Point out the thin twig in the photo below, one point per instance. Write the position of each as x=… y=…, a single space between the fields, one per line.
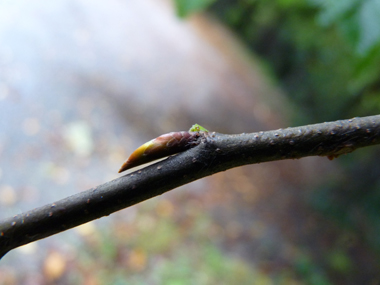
x=216 y=152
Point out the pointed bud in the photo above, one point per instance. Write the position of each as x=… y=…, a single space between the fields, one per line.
x=160 y=147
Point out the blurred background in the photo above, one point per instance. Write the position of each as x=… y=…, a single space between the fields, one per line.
x=83 y=83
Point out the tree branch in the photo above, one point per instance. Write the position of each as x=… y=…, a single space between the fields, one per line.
x=215 y=153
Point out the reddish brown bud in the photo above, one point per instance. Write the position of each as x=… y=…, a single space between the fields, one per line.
x=160 y=147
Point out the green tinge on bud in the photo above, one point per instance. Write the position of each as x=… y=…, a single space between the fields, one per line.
x=197 y=128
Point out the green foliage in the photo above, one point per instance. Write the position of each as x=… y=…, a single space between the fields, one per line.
x=187 y=7
x=358 y=20
x=324 y=52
